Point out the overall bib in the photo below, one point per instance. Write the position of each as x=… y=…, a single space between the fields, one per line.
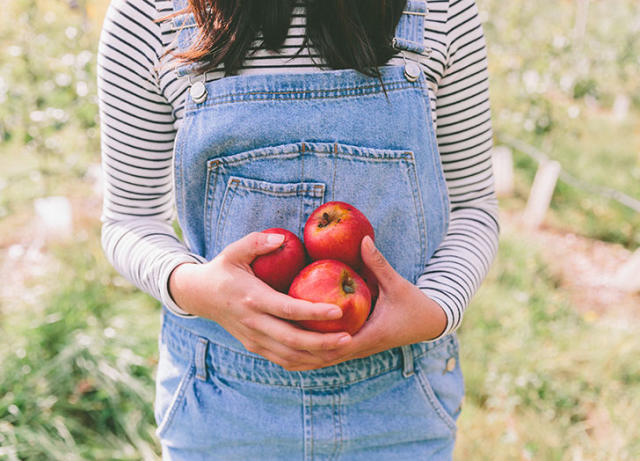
x=260 y=151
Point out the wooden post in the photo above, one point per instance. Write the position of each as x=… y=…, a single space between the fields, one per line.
x=541 y=192
x=54 y=220
x=503 y=171
x=628 y=276
x=582 y=16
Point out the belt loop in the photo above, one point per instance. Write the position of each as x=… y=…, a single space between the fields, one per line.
x=407 y=360
x=201 y=359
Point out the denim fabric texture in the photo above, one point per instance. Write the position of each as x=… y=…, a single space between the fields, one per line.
x=214 y=402
x=264 y=151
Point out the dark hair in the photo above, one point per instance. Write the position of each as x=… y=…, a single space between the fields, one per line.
x=353 y=34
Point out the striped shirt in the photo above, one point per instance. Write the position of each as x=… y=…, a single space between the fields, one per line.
x=142 y=105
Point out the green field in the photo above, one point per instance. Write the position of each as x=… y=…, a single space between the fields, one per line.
x=546 y=379
x=563 y=88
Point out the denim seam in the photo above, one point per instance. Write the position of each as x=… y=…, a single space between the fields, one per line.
x=293 y=193
x=311 y=421
x=345 y=155
x=405 y=156
x=437 y=165
x=177 y=176
x=177 y=400
x=309 y=94
x=340 y=414
x=191 y=110
x=302 y=180
x=393 y=84
x=222 y=214
x=314 y=386
x=300 y=211
x=335 y=426
x=210 y=197
x=242 y=158
x=336 y=401
x=412 y=176
x=335 y=170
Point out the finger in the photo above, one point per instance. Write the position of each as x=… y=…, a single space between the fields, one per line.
x=376 y=262
x=286 y=307
x=297 y=338
x=251 y=245
x=292 y=347
x=370 y=339
x=282 y=355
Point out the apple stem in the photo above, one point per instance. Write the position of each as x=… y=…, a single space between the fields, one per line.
x=347 y=285
x=326 y=219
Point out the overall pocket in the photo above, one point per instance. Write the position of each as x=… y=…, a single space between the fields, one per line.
x=252 y=205
x=441 y=380
x=175 y=374
x=279 y=186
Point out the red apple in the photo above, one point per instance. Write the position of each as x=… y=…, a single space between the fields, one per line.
x=279 y=267
x=334 y=231
x=331 y=281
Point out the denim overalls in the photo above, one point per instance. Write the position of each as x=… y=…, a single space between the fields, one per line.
x=260 y=151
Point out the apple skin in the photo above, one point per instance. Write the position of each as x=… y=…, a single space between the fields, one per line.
x=331 y=281
x=334 y=231
x=279 y=267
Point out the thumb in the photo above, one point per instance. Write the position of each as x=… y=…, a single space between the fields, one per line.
x=251 y=245
x=376 y=262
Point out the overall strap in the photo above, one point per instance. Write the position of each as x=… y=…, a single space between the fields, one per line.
x=186 y=27
x=409 y=33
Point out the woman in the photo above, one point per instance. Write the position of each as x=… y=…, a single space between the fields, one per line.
x=299 y=104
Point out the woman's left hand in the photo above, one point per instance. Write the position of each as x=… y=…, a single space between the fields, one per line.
x=403 y=314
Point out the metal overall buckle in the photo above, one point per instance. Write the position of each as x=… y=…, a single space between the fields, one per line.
x=198 y=91
x=411 y=68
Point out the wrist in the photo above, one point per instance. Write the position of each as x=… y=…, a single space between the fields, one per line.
x=181 y=287
x=436 y=321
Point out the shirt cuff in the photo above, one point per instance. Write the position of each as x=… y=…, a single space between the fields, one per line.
x=448 y=307
x=165 y=296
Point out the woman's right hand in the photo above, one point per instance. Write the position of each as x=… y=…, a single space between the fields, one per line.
x=226 y=291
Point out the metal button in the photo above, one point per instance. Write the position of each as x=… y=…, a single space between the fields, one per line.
x=451 y=364
x=198 y=92
x=411 y=71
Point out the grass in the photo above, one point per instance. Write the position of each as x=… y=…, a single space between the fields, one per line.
x=544 y=382
x=78 y=344
x=76 y=375
x=556 y=89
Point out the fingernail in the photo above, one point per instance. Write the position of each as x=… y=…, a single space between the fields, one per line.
x=335 y=313
x=275 y=239
x=368 y=243
x=344 y=340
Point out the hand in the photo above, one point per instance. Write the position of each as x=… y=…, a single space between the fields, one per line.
x=403 y=314
x=226 y=291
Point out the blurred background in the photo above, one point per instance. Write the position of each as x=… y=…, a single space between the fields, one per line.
x=549 y=345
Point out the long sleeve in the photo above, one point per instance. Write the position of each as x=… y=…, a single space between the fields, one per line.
x=137 y=128
x=464 y=137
